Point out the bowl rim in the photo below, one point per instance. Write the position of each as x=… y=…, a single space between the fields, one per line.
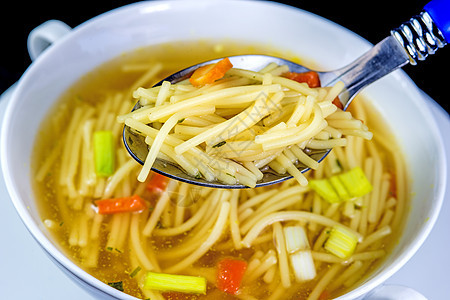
x=64 y=261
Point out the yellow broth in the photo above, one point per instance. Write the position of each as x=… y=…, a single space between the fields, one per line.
x=69 y=218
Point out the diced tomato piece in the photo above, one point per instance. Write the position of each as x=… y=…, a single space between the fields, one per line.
x=229 y=274
x=311 y=78
x=325 y=295
x=313 y=81
x=157 y=183
x=338 y=103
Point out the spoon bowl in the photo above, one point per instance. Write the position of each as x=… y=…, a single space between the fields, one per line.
x=138 y=149
x=391 y=53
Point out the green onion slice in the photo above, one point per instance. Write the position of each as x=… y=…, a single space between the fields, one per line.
x=175 y=283
x=104 y=153
x=345 y=186
x=341 y=242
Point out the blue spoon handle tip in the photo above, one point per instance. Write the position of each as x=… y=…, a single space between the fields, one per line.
x=439 y=11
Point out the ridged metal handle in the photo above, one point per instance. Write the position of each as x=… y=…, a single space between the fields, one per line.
x=411 y=42
x=420 y=37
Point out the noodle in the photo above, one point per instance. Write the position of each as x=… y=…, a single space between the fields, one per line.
x=267 y=262
x=282 y=255
x=262 y=212
x=153 y=220
x=257 y=199
x=137 y=246
x=162 y=134
x=95 y=228
x=87 y=177
x=377 y=172
x=373 y=237
x=345 y=275
x=120 y=174
x=213 y=237
x=285 y=216
x=272 y=204
x=326 y=279
x=50 y=160
x=193 y=220
x=234 y=221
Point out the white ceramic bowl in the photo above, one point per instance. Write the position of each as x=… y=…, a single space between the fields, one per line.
x=396 y=97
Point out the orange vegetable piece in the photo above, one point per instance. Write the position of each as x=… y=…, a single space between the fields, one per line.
x=325 y=295
x=210 y=73
x=338 y=103
x=120 y=205
x=157 y=183
x=311 y=78
x=392 y=185
x=229 y=274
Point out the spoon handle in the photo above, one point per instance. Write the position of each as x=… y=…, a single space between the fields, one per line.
x=439 y=11
x=411 y=42
x=380 y=60
x=425 y=33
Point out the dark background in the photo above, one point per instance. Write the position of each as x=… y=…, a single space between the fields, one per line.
x=372 y=20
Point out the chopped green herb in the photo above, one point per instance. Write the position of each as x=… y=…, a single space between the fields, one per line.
x=118 y=285
x=181 y=120
x=135 y=271
x=78 y=98
x=111 y=249
x=219 y=144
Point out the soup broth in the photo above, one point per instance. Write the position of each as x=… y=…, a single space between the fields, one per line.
x=188 y=229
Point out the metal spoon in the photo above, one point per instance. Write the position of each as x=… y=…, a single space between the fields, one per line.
x=411 y=42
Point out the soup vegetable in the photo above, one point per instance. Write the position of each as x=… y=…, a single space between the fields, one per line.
x=161 y=239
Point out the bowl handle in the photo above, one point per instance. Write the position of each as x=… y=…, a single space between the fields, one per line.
x=394 y=292
x=41 y=37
